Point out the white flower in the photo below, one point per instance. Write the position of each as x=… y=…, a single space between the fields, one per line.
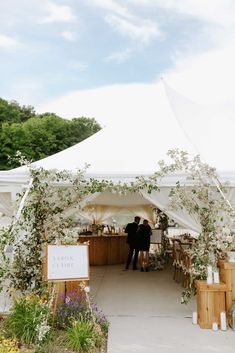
x=87 y=289
x=42 y=329
x=67 y=300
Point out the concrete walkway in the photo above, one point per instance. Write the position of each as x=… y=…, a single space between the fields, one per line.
x=146 y=316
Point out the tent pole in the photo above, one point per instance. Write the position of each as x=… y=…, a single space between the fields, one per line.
x=18 y=213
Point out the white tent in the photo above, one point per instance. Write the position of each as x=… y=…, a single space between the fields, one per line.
x=121 y=153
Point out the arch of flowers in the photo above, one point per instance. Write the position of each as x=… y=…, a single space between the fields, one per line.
x=43 y=221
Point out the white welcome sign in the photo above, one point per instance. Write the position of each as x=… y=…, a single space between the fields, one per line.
x=67 y=262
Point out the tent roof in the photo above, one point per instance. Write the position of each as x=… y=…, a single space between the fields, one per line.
x=134 y=148
x=121 y=151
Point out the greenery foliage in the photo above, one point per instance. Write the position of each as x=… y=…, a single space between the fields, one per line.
x=202 y=195
x=12 y=112
x=30 y=325
x=86 y=327
x=27 y=318
x=75 y=306
x=44 y=220
x=83 y=336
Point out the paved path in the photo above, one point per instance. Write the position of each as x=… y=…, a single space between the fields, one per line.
x=146 y=316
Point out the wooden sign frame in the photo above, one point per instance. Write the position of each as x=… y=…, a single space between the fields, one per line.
x=65 y=258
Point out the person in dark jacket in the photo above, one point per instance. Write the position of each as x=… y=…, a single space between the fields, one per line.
x=131 y=240
x=144 y=233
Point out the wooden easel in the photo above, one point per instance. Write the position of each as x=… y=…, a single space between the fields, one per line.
x=61 y=287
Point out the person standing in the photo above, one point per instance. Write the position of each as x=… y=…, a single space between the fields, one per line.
x=144 y=233
x=131 y=240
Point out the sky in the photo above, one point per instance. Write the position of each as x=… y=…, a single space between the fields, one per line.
x=104 y=58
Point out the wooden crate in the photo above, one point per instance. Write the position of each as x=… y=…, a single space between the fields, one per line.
x=227 y=275
x=210 y=302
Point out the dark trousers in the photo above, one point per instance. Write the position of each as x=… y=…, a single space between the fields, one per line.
x=132 y=250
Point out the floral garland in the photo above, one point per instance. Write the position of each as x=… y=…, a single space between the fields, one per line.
x=200 y=196
x=43 y=220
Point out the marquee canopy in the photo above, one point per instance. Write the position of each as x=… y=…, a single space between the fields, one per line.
x=122 y=152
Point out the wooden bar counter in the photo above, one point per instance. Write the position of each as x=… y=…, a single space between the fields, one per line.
x=106 y=249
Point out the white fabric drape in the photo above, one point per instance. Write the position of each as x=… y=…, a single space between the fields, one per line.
x=97 y=214
x=145 y=212
x=6 y=204
x=88 y=199
x=161 y=200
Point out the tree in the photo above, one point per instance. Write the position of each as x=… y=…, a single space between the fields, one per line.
x=81 y=128
x=12 y=112
x=42 y=136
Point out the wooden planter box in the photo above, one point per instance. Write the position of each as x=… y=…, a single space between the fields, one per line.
x=210 y=302
x=227 y=275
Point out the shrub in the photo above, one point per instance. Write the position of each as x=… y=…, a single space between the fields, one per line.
x=26 y=318
x=83 y=336
x=72 y=307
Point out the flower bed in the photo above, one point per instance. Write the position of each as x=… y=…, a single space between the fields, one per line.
x=77 y=325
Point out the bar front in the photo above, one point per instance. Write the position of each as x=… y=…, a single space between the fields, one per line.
x=106 y=249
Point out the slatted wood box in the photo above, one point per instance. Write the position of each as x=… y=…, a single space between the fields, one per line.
x=227 y=275
x=210 y=302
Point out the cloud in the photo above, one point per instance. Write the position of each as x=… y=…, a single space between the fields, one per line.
x=139 y=30
x=216 y=17
x=122 y=20
x=217 y=11
x=69 y=36
x=8 y=42
x=111 y=6
x=120 y=56
x=58 y=13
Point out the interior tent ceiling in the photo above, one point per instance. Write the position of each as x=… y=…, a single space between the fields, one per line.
x=119 y=200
